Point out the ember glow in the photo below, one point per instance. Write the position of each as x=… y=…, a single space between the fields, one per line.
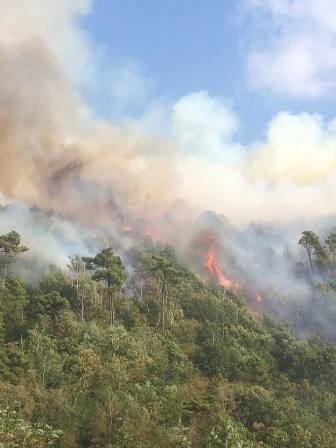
x=212 y=267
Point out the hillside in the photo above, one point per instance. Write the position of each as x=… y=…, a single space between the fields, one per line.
x=151 y=356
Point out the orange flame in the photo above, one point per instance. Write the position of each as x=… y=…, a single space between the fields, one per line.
x=211 y=264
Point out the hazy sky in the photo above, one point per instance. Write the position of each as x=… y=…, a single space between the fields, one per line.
x=261 y=56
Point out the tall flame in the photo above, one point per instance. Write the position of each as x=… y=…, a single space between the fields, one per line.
x=211 y=264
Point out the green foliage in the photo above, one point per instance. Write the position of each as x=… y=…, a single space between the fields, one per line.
x=311 y=243
x=227 y=433
x=47 y=305
x=181 y=366
x=14 y=300
x=10 y=244
x=108 y=268
x=16 y=432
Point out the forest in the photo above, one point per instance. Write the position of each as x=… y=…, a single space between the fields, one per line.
x=143 y=352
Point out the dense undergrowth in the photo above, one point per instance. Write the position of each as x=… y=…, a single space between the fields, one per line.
x=99 y=357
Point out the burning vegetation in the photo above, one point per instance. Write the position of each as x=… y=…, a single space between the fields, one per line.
x=211 y=265
x=136 y=317
x=144 y=333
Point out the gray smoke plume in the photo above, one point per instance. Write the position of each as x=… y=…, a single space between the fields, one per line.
x=117 y=182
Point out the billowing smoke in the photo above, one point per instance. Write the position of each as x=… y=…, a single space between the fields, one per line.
x=105 y=181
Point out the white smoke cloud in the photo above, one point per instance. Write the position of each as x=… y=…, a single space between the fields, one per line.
x=204 y=125
x=109 y=170
x=290 y=175
x=299 y=148
x=55 y=25
x=298 y=55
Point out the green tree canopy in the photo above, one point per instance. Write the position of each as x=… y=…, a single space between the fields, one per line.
x=10 y=244
x=108 y=268
x=310 y=241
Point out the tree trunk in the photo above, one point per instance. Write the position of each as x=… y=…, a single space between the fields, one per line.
x=147 y=307
x=173 y=306
x=82 y=307
x=77 y=282
x=111 y=308
x=163 y=294
x=310 y=261
x=5 y=269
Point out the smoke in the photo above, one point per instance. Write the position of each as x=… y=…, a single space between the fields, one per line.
x=54 y=25
x=101 y=179
x=55 y=154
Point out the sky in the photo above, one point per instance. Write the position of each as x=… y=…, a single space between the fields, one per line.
x=145 y=99
x=260 y=56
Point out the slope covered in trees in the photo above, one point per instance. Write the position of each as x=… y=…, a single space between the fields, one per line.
x=150 y=356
